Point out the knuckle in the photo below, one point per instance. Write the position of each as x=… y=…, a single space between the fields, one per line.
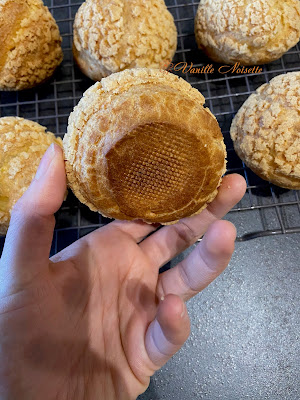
x=24 y=212
x=185 y=233
x=186 y=279
x=19 y=208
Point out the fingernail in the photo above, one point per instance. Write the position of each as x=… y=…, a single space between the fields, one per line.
x=183 y=310
x=156 y=225
x=45 y=162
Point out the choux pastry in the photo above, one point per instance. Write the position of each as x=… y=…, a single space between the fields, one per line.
x=22 y=145
x=113 y=36
x=30 y=44
x=247 y=31
x=140 y=145
x=266 y=131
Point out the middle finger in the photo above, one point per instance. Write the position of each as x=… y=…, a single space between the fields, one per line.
x=171 y=240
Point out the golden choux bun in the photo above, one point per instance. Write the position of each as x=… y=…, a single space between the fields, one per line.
x=112 y=36
x=140 y=145
x=266 y=131
x=247 y=31
x=22 y=145
x=30 y=44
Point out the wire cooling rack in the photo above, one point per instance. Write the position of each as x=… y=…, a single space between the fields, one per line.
x=264 y=210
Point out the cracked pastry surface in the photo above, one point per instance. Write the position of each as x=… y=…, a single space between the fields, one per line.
x=266 y=131
x=113 y=36
x=247 y=31
x=22 y=145
x=30 y=44
x=140 y=145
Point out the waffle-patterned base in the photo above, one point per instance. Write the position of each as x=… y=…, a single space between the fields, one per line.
x=156 y=167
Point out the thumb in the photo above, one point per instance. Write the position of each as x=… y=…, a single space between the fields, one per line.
x=168 y=332
x=30 y=233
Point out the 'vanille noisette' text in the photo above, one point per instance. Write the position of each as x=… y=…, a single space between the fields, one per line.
x=237 y=68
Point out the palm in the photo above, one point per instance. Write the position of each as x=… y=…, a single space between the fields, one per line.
x=111 y=299
x=86 y=312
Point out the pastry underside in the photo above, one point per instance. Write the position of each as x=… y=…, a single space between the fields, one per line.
x=146 y=150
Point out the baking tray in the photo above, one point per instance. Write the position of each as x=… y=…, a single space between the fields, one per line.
x=264 y=210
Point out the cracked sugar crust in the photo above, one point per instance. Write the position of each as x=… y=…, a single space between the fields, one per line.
x=266 y=131
x=22 y=145
x=126 y=127
x=113 y=36
x=31 y=44
x=247 y=31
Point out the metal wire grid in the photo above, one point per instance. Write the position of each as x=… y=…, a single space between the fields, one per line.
x=264 y=210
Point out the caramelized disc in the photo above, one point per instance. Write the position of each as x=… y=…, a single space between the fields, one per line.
x=151 y=165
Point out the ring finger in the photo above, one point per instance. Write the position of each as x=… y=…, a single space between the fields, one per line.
x=207 y=261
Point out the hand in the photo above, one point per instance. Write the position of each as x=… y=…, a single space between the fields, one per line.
x=97 y=320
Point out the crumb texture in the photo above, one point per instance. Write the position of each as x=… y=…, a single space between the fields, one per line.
x=266 y=131
x=22 y=145
x=30 y=44
x=130 y=154
x=112 y=36
x=247 y=31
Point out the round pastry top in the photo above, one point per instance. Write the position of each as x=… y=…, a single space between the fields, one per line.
x=30 y=44
x=249 y=32
x=266 y=131
x=113 y=36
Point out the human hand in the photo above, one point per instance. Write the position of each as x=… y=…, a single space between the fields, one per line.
x=97 y=320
